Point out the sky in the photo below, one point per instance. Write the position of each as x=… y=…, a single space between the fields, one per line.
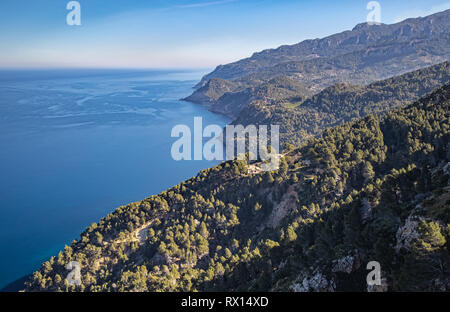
x=175 y=33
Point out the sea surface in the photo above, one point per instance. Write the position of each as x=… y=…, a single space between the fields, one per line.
x=76 y=144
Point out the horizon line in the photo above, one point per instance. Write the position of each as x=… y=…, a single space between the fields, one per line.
x=36 y=68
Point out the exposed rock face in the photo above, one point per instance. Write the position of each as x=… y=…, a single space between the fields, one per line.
x=315 y=283
x=407 y=233
x=379 y=288
x=347 y=264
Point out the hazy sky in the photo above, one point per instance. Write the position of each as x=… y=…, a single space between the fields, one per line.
x=175 y=33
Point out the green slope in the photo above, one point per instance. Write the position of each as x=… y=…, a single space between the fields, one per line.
x=366 y=190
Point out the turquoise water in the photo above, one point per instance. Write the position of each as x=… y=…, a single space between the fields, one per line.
x=74 y=145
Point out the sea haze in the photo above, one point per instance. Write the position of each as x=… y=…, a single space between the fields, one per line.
x=74 y=145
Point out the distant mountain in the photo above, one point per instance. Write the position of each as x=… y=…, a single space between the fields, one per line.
x=360 y=56
x=368 y=179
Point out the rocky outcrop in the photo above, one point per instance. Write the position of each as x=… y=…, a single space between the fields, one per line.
x=347 y=264
x=314 y=283
x=407 y=233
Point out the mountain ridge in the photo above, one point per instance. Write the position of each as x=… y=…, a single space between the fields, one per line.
x=301 y=117
x=330 y=45
x=361 y=56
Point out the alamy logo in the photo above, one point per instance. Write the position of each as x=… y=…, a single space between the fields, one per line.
x=74 y=16
x=240 y=140
x=374 y=276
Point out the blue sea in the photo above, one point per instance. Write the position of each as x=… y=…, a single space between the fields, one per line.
x=76 y=144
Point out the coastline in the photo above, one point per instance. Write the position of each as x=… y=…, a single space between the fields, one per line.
x=208 y=106
x=182 y=113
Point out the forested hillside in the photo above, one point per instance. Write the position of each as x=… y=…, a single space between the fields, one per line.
x=367 y=190
x=302 y=117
